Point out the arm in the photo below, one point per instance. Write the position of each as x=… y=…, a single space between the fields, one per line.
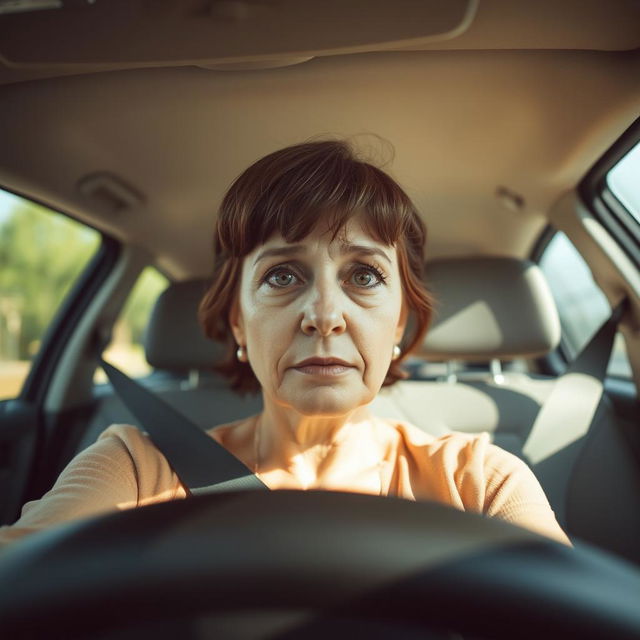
x=514 y=494
x=114 y=473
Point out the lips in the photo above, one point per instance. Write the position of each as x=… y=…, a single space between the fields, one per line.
x=323 y=367
x=322 y=362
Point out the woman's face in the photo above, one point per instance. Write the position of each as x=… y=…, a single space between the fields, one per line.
x=302 y=306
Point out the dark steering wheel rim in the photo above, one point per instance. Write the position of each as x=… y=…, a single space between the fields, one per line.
x=338 y=555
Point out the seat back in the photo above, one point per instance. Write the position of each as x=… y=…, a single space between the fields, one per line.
x=487 y=310
x=183 y=359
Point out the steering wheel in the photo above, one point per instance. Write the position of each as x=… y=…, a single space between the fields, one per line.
x=286 y=564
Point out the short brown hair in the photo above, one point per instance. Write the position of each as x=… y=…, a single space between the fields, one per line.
x=286 y=192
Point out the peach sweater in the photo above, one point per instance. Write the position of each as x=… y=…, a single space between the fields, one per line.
x=123 y=469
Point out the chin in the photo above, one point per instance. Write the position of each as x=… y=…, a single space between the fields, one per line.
x=326 y=402
x=323 y=411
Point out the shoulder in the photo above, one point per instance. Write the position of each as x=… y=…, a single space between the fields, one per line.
x=125 y=443
x=454 y=444
x=463 y=463
x=126 y=437
x=153 y=473
x=465 y=448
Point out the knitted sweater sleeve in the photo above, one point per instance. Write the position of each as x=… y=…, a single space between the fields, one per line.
x=513 y=493
x=121 y=470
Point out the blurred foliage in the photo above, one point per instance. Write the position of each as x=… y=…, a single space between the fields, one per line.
x=125 y=350
x=42 y=254
x=136 y=312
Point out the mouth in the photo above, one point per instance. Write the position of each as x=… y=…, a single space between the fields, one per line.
x=323 y=366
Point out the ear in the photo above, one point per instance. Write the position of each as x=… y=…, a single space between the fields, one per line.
x=236 y=322
x=402 y=323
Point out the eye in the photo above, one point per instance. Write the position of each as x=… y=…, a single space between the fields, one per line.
x=280 y=278
x=367 y=277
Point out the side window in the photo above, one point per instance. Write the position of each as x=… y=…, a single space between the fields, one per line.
x=42 y=254
x=126 y=349
x=623 y=181
x=581 y=304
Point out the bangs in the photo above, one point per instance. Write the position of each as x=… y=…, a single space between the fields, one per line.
x=290 y=191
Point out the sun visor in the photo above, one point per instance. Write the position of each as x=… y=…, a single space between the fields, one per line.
x=192 y=32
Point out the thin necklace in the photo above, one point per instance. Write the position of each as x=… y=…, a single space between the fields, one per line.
x=256 y=456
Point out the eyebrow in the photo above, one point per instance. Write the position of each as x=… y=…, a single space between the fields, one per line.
x=345 y=248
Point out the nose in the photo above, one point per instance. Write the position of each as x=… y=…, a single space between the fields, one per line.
x=323 y=311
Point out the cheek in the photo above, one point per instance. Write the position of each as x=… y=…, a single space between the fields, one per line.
x=382 y=320
x=376 y=338
x=269 y=332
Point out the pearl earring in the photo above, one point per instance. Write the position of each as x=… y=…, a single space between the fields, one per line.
x=241 y=354
x=396 y=352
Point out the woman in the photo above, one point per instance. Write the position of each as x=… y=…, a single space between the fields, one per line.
x=318 y=266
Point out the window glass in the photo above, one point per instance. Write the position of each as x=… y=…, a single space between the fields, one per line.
x=624 y=181
x=582 y=306
x=126 y=349
x=42 y=254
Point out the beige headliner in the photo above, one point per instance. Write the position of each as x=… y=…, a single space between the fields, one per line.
x=463 y=123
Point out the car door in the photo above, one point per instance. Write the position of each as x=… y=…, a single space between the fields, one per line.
x=50 y=266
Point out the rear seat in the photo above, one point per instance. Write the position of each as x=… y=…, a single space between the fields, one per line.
x=489 y=310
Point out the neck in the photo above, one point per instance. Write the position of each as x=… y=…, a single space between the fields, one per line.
x=284 y=437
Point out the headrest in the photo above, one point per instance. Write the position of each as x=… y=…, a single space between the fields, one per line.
x=174 y=339
x=489 y=308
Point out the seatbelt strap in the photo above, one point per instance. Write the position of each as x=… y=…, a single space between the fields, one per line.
x=565 y=418
x=202 y=464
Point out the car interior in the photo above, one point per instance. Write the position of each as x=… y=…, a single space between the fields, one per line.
x=502 y=119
